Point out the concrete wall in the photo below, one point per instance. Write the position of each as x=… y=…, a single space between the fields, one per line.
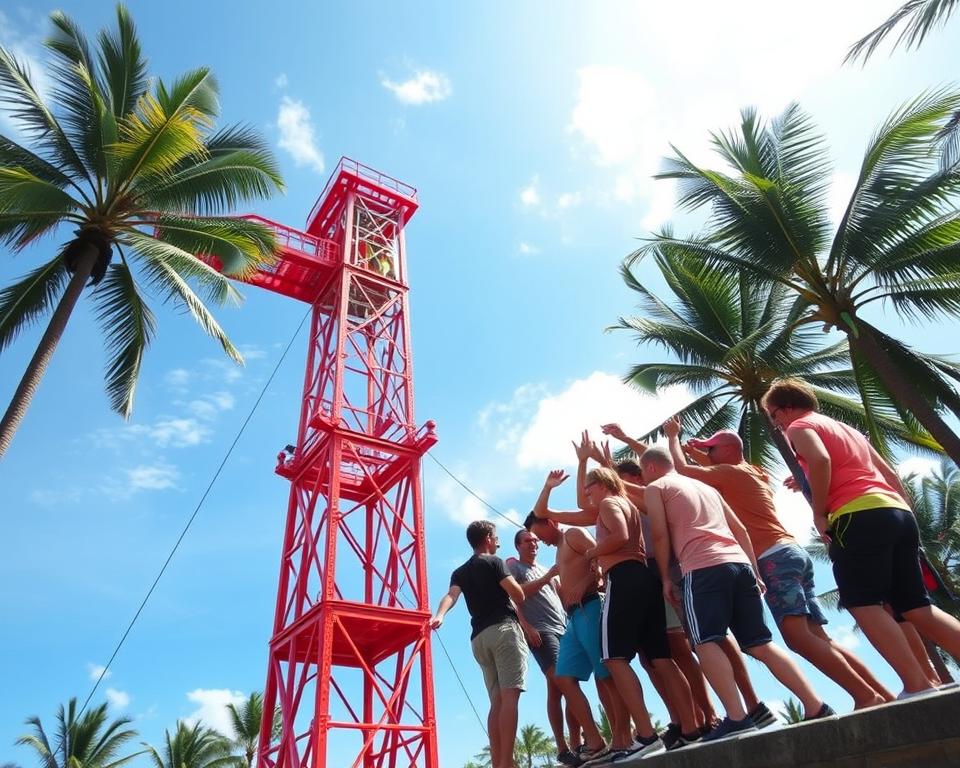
x=920 y=732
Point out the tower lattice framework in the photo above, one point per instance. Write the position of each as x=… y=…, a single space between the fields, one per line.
x=349 y=663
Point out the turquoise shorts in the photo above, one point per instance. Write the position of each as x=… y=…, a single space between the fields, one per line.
x=580 y=655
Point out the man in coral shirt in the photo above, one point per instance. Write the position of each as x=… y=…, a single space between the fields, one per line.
x=720 y=589
x=784 y=566
x=860 y=508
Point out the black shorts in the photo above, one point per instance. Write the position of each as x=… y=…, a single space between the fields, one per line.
x=875 y=554
x=722 y=597
x=546 y=653
x=633 y=616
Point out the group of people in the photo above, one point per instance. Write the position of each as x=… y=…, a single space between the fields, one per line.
x=668 y=558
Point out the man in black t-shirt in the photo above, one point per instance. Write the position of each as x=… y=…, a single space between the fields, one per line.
x=496 y=638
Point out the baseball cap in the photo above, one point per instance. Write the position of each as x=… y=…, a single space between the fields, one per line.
x=723 y=437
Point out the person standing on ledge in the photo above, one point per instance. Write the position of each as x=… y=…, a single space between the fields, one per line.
x=861 y=512
x=547 y=622
x=496 y=638
x=785 y=568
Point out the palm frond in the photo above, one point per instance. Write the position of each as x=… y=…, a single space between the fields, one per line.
x=240 y=245
x=24 y=302
x=128 y=327
x=30 y=206
x=122 y=65
x=165 y=267
x=22 y=101
x=919 y=18
x=78 y=91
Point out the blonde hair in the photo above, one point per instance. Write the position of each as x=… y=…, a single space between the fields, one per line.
x=607 y=478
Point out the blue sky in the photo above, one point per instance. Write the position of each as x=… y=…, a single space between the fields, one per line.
x=530 y=130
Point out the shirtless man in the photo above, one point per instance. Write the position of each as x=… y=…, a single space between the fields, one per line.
x=633 y=617
x=579 y=653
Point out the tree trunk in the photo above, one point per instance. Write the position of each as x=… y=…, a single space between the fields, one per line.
x=45 y=349
x=866 y=345
x=937 y=660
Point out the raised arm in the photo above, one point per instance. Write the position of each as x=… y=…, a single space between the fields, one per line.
x=446 y=603
x=671 y=428
x=613 y=429
x=812 y=450
x=535 y=585
x=541 y=508
x=583 y=454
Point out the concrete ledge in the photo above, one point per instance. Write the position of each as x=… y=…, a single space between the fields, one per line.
x=920 y=732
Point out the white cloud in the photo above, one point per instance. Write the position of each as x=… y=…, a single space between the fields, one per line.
x=152 y=478
x=118 y=699
x=586 y=404
x=918 y=465
x=530 y=194
x=569 y=200
x=844 y=635
x=178 y=378
x=209 y=406
x=212 y=708
x=95 y=670
x=613 y=111
x=794 y=512
x=280 y=82
x=527 y=249
x=297 y=134
x=176 y=432
x=55 y=497
x=426 y=86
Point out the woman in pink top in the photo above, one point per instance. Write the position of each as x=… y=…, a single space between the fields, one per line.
x=859 y=507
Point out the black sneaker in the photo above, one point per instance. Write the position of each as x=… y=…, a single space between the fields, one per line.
x=569 y=758
x=824 y=712
x=685 y=740
x=762 y=716
x=641 y=746
x=729 y=728
x=590 y=756
x=704 y=729
x=669 y=736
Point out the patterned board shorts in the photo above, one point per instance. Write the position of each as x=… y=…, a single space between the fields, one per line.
x=788 y=576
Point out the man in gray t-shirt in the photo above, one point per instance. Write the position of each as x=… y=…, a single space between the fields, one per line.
x=545 y=621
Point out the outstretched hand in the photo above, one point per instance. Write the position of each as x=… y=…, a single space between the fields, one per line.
x=582 y=449
x=601 y=453
x=671 y=427
x=613 y=429
x=555 y=478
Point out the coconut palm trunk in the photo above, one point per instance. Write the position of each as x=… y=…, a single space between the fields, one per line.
x=865 y=343
x=45 y=349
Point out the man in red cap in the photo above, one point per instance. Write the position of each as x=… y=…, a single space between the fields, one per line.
x=784 y=565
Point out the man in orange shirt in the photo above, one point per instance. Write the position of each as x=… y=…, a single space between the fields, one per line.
x=784 y=566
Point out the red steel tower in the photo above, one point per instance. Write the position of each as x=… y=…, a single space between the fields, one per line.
x=350 y=665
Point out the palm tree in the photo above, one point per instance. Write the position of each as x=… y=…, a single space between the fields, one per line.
x=87 y=740
x=133 y=166
x=195 y=746
x=532 y=743
x=245 y=720
x=792 y=711
x=918 y=17
x=898 y=241
x=733 y=336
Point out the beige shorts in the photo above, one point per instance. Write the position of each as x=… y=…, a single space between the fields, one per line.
x=501 y=652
